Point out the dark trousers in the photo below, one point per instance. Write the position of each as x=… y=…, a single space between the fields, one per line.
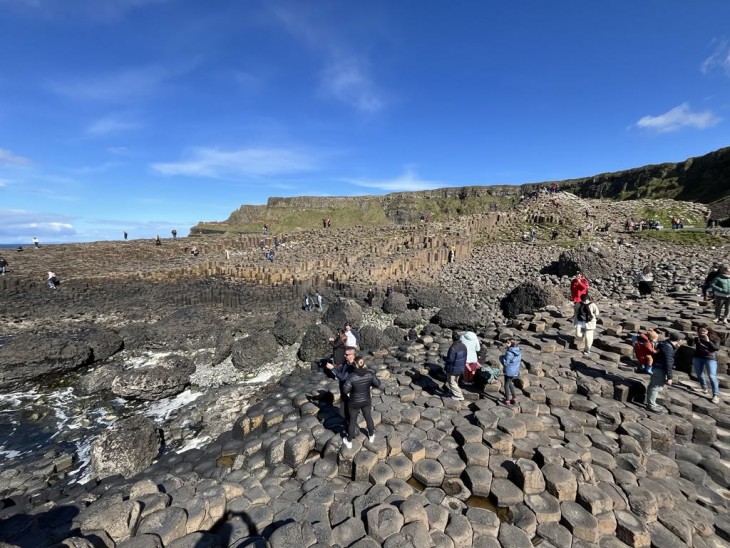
x=355 y=409
x=509 y=388
x=345 y=409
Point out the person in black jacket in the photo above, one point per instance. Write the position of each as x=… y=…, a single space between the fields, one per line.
x=357 y=387
x=455 y=366
x=662 y=370
x=706 y=344
x=342 y=372
x=711 y=275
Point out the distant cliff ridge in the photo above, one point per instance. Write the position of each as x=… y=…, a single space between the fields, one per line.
x=704 y=179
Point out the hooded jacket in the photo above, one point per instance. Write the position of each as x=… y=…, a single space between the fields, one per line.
x=664 y=358
x=721 y=285
x=643 y=348
x=456 y=359
x=357 y=386
x=511 y=361
x=705 y=349
x=471 y=341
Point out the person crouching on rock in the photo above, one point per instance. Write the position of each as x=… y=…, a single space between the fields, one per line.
x=342 y=372
x=357 y=387
x=511 y=362
x=471 y=341
x=455 y=366
x=52 y=280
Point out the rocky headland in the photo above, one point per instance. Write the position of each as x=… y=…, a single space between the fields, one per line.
x=202 y=416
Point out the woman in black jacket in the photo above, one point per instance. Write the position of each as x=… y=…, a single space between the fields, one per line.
x=357 y=387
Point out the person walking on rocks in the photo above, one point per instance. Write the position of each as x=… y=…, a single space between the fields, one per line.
x=455 y=366
x=36 y=242
x=721 y=289
x=586 y=315
x=158 y=241
x=370 y=297
x=319 y=302
x=711 y=275
x=125 y=235
x=645 y=281
x=307 y=303
x=342 y=373
x=357 y=388
x=388 y=290
x=174 y=234
x=471 y=341
x=338 y=343
x=351 y=337
x=706 y=344
x=578 y=287
x=3 y=265
x=662 y=370
x=511 y=362
x=52 y=280
x=645 y=349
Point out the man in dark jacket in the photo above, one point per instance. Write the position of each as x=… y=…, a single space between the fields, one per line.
x=662 y=370
x=455 y=365
x=342 y=373
x=357 y=387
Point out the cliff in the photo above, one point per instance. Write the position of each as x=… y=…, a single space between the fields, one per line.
x=704 y=179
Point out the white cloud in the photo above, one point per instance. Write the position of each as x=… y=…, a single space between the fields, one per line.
x=122 y=84
x=19 y=226
x=345 y=75
x=679 y=117
x=406 y=182
x=7 y=158
x=111 y=124
x=347 y=80
x=241 y=163
x=719 y=59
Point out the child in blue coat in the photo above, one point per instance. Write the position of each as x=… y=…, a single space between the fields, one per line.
x=511 y=361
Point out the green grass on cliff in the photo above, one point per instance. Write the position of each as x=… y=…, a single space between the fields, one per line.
x=664 y=215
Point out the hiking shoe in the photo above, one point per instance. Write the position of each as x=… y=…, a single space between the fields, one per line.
x=347 y=443
x=701 y=389
x=371 y=438
x=716 y=320
x=715 y=398
x=655 y=409
x=457 y=398
x=513 y=401
x=507 y=402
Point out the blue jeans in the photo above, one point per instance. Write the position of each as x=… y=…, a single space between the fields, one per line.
x=703 y=364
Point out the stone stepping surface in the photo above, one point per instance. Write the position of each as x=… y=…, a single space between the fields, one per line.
x=578 y=461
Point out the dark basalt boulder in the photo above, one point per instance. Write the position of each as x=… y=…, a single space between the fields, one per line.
x=150 y=383
x=408 y=319
x=104 y=343
x=395 y=303
x=316 y=343
x=188 y=328
x=373 y=338
x=290 y=326
x=99 y=379
x=394 y=335
x=127 y=448
x=343 y=311
x=590 y=263
x=41 y=356
x=429 y=297
x=254 y=351
x=529 y=297
x=457 y=317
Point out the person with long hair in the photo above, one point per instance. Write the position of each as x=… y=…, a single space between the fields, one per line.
x=357 y=387
x=706 y=343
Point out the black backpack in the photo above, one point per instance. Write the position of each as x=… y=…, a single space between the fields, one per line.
x=584 y=313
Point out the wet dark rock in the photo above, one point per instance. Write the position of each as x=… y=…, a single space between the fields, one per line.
x=290 y=326
x=150 y=383
x=251 y=352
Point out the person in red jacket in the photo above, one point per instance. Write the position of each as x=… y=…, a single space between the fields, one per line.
x=578 y=287
x=645 y=348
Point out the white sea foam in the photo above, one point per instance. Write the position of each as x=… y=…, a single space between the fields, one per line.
x=195 y=443
x=161 y=411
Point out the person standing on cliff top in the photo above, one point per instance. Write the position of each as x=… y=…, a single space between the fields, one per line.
x=125 y=235
x=157 y=240
x=3 y=265
x=36 y=242
x=174 y=234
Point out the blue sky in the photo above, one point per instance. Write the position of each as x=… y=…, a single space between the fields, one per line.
x=148 y=115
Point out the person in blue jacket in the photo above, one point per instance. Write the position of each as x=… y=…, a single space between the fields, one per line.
x=455 y=366
x=511 y=361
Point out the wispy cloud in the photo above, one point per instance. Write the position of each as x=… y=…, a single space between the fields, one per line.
x=346 y=75
x=120 y=85
x=241 y=163
x=8 y=158
x=679 y=117
x=20 y=225
x=718 y=60
x=118 y=150
x=408 y=181
x=111 y=124
x=101 y=168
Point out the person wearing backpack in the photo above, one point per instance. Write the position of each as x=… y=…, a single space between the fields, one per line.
x=721 y=289
x=586 y=314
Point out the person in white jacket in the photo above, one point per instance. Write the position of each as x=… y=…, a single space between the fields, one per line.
x=471 y=341
x=586 y=314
